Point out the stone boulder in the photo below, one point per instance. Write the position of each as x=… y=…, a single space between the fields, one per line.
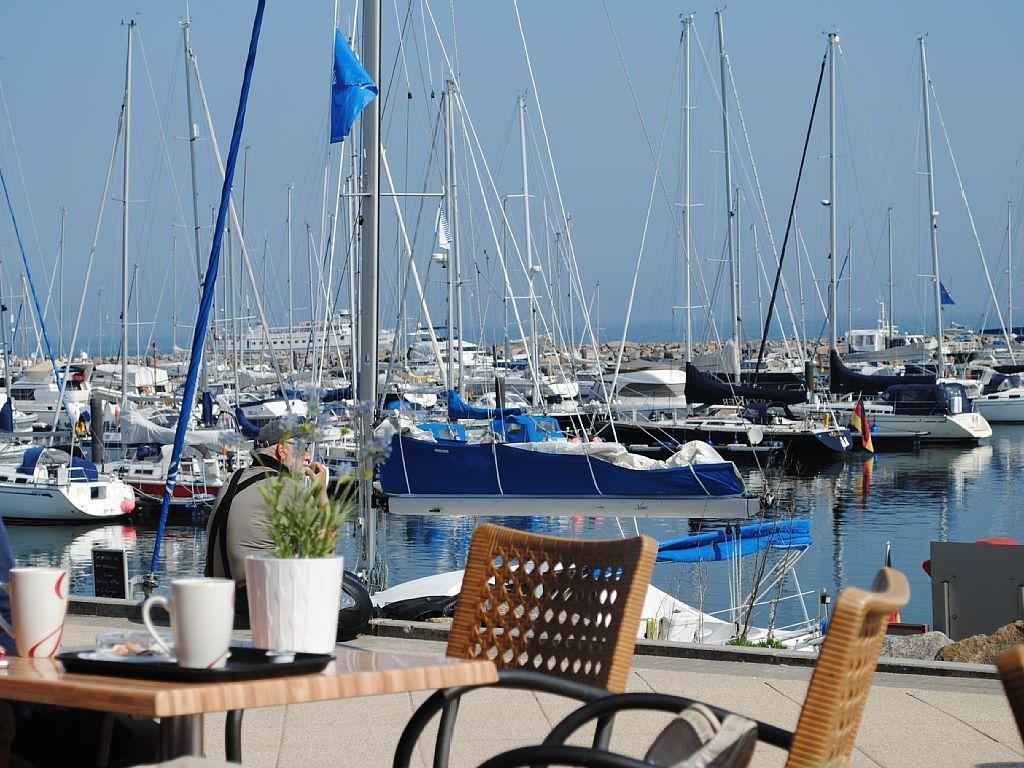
x=923 y=647
x=983 y=649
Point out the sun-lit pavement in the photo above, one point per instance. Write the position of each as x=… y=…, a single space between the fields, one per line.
x=910 y=720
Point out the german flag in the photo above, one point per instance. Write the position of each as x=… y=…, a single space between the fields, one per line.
x=859 y=423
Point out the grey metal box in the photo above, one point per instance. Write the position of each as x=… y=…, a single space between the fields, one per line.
x=976 y=588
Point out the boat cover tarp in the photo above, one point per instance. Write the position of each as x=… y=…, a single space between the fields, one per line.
x=460 y=409
x=7 y=416
x=845 y=381
x=526 y=428
x=82 y=470
x=136 y=429
x=704 y=388
x=449 y=468
x=729 y=543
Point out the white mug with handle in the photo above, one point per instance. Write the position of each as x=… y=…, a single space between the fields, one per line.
x=202 y=613
x=39 y=603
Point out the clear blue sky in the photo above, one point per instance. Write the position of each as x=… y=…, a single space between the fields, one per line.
x=62 y=69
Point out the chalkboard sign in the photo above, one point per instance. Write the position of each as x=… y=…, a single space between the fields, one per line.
x=110 y=573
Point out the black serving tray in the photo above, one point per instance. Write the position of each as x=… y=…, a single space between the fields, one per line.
x=244 y=663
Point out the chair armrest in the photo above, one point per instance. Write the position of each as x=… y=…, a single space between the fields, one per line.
x=520 y=679
x=561 y=754
x=662 y=702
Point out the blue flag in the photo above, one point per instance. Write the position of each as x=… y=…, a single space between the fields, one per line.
x=947 y=300
x=351 y=89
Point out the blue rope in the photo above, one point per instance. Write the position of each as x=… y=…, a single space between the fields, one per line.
x=205 y=302
x=35 y=298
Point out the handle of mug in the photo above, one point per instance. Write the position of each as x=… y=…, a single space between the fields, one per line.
x=155 y=600
x=3 y=623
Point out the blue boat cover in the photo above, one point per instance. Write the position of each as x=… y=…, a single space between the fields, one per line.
x=450 y=468
x=526 y=428
x=444 y=431
x=729 y=543
x=460 y=409
x=246 y=427
x=7 y=416
x=82 y=470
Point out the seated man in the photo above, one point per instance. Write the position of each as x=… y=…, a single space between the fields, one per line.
x=236 y=526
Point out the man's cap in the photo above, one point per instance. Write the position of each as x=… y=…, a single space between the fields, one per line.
x=278 y=430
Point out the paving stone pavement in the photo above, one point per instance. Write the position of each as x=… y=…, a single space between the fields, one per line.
x=910 y=720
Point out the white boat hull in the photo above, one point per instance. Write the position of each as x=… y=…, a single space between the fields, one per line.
x=940 y=428
x=1001 y=407
x=43 y=503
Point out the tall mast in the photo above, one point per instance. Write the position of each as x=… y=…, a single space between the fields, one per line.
x=534 y=350
x=60 y=272
x=193 y=135
x=3 y=337
x=453 y=225
x=124 y=215
x=368 y=294
x=291 y=306
x=849 y=278
x=1009 y=264
x=933 y=214
x=832 y=210
x=174 y=293
x=687 y=23
x=892 y=322
x=730 y=241
x=449 y=195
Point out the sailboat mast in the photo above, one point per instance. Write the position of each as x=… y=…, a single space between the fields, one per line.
x=452 y=196
x=3 y=336
x=124 y=215
x=534 y=352
x=832 y=209
x=933 y=214
x=892 y=322
x=449 y=194
x=687 y=23
x=291 y=306
x=1009 y=264
x=730 y=241
x=60 y=273
x=368 y=293
x=174 y=293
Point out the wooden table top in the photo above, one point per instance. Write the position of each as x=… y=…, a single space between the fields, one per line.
x=354 y=672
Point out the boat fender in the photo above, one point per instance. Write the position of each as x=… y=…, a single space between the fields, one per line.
x=356 y=608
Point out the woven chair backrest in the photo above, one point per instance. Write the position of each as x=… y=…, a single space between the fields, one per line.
x=842 y=677
x=1011 y=672
x=567 y=607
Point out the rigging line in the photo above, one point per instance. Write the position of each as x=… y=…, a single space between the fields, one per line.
x=570 y=245
x=970 y=218
x=789 y=222
x=762 y=206
x=650 y=148
x=21 y=172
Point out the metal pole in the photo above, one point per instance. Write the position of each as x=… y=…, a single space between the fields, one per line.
x=174 y=293
x=849 y=279
x=729 y=239
x=7 y=351
x=687 y=23
x=534 y=348
x=453 y=227
x=368 y=294
x=933 y=214
x=1009 y=264
x=833 y=342
x=124 y=216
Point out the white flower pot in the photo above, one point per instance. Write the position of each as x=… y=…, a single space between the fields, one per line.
x=293 y=603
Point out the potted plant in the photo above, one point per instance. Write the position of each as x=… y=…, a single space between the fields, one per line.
x=294 y=590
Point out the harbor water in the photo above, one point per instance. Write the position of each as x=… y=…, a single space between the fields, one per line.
x=856 y=506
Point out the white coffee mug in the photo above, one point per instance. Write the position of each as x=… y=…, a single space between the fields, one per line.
x=202 y=613
x=39 y=603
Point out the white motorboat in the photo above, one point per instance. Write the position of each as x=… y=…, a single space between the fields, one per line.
x=50 y=486
x=1005 y=405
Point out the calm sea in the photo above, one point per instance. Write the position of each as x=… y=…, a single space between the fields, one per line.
x=856 y=507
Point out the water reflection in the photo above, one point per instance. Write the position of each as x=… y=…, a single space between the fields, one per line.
x=856 y=506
